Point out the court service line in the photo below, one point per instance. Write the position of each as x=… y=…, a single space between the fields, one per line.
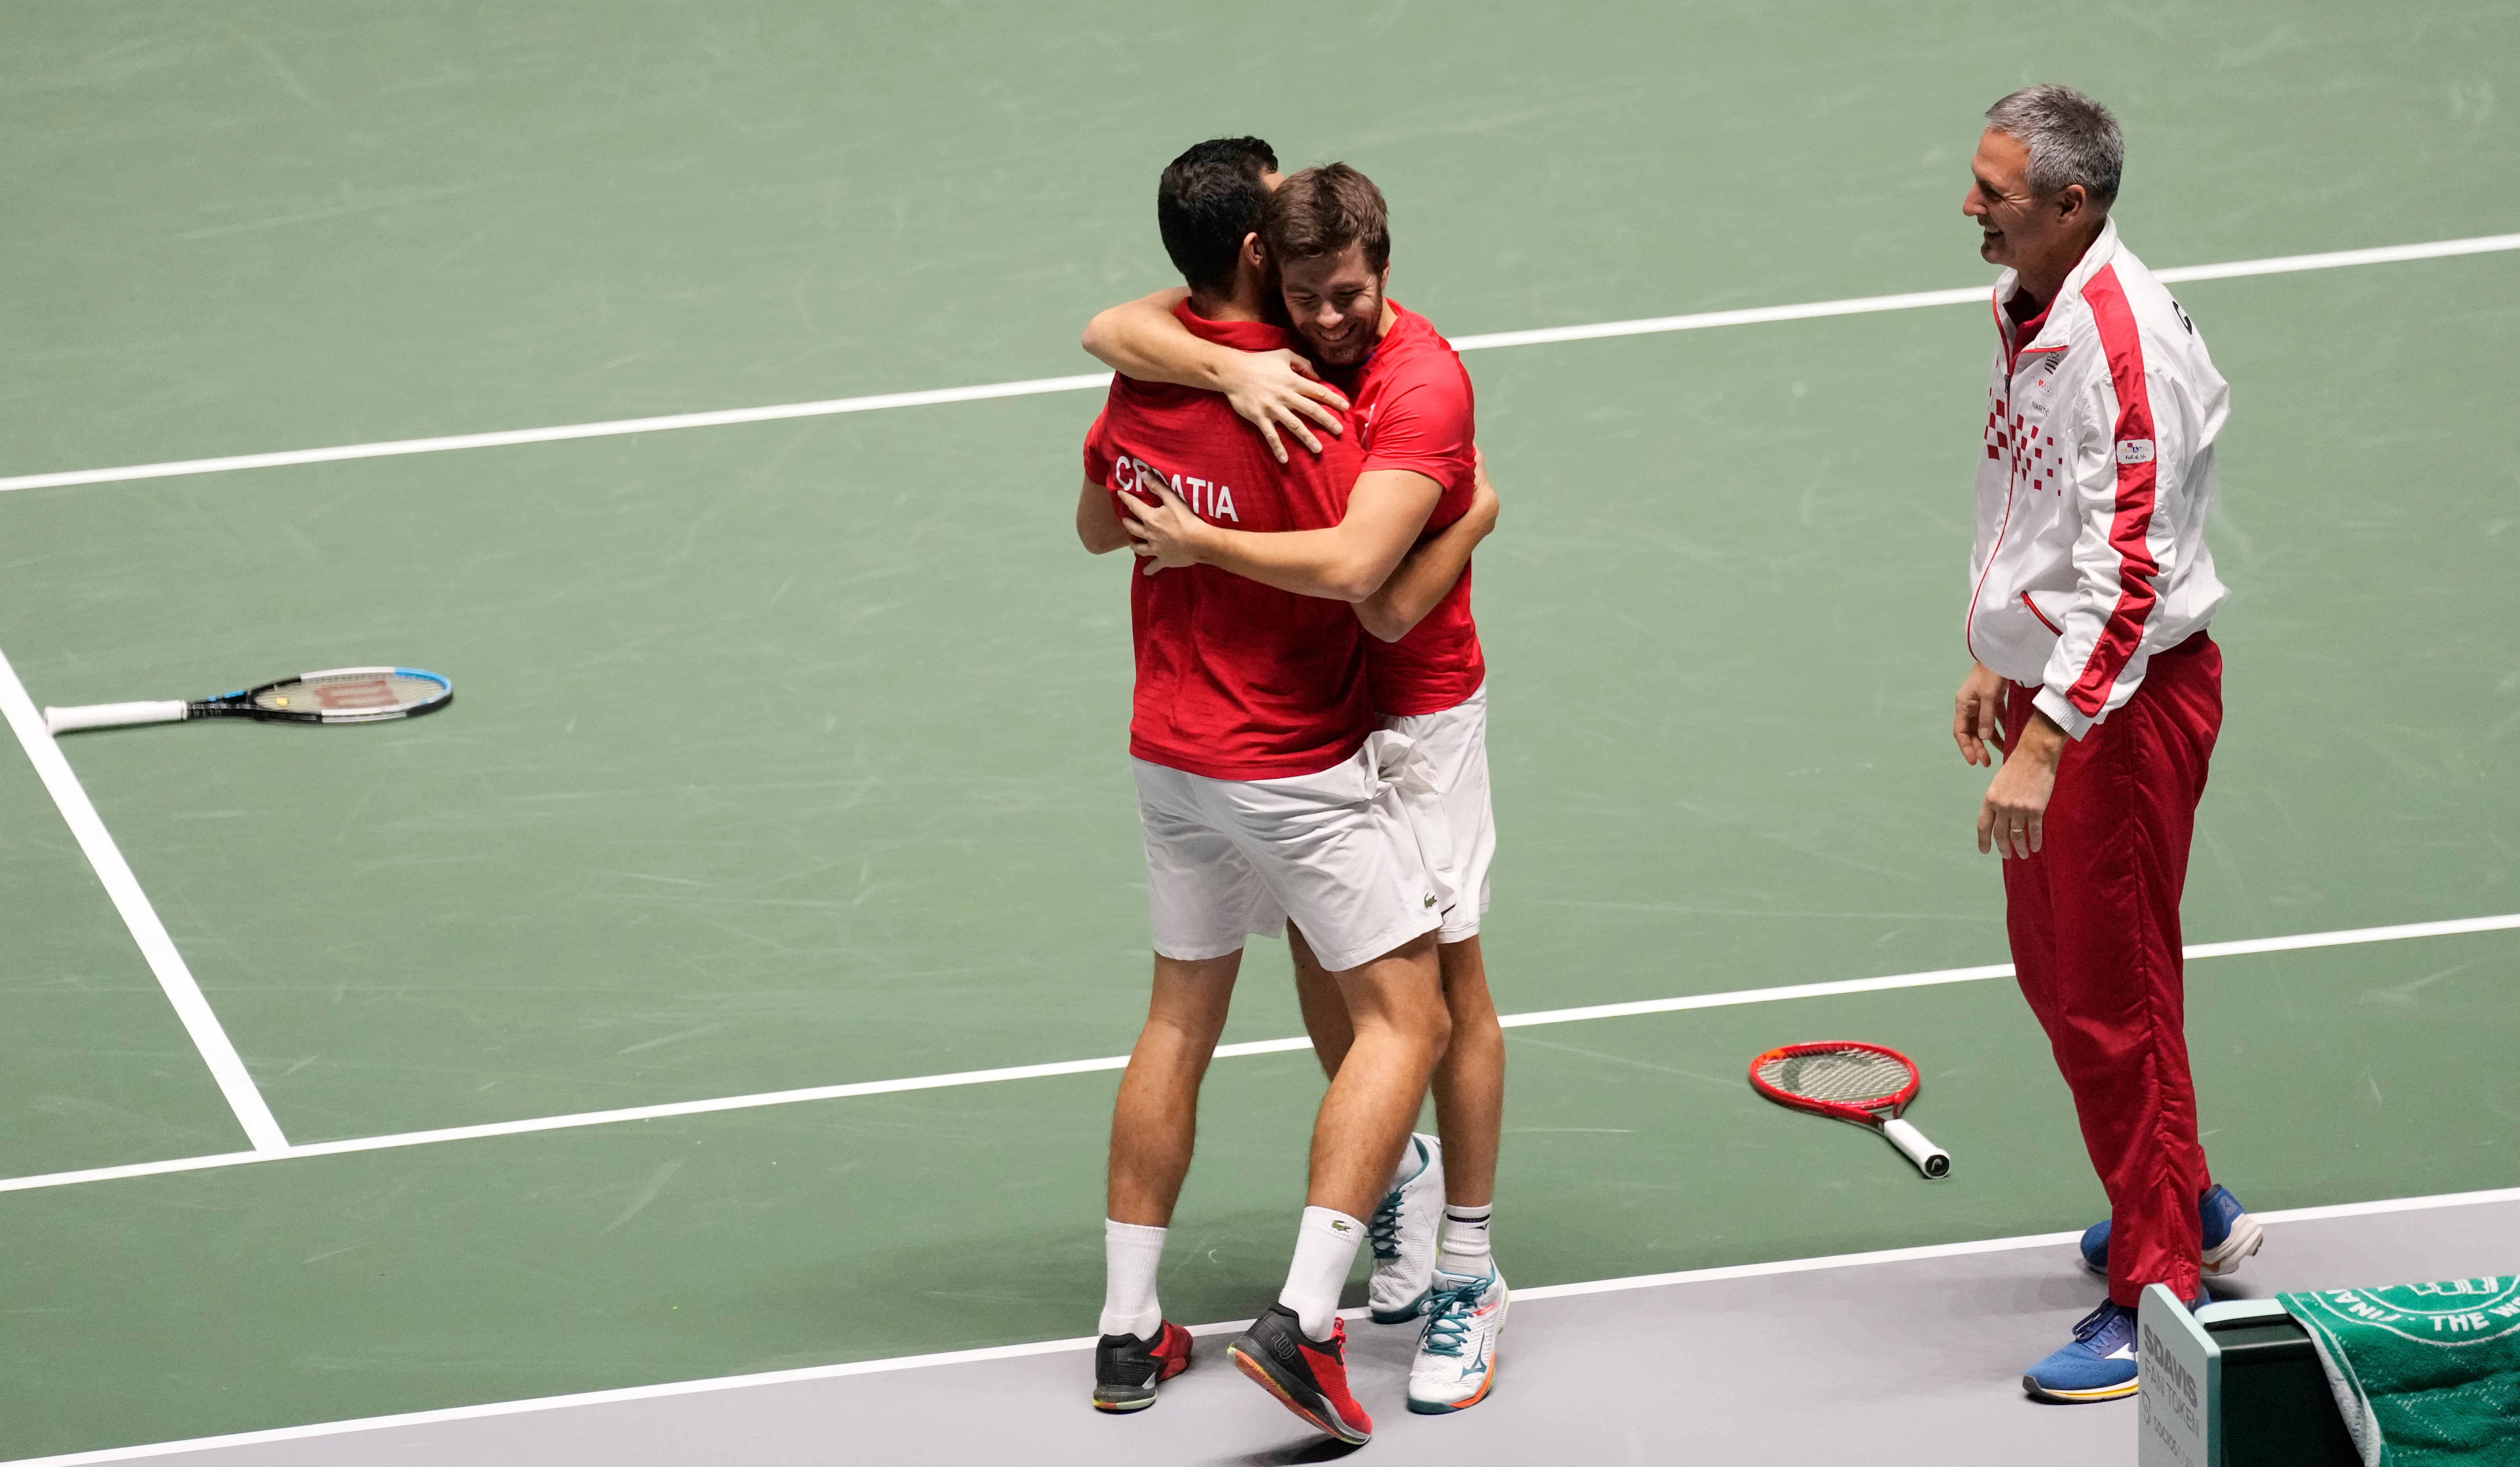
x=676 y=1109
x=662 y=1390
x=1653 y=325
x=71 y=797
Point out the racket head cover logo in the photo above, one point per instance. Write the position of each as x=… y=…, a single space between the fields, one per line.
x=1844 y=1078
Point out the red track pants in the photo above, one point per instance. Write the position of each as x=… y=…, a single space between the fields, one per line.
x=2094 y=920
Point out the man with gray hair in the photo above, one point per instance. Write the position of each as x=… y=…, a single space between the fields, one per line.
x=2096 y=684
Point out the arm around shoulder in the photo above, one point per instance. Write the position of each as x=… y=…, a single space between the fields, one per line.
x=1142 y=339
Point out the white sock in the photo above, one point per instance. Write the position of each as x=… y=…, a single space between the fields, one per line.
x=1464 y=1246
x=1325 y=1250
x=1131 y=1254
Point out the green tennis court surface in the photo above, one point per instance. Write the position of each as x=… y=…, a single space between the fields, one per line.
x=788 y=756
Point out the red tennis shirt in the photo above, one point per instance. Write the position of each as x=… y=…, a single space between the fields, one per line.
x=1235 y=679
x=1413 y=410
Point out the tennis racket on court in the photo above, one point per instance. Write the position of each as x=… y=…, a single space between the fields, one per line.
x=1862 y=1084
x=339 y=695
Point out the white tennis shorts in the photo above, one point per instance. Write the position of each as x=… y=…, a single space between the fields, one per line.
x=1229 y=859
x=1454 y=746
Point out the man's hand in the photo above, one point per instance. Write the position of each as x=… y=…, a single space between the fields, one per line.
x=1273 y=389
x=1978 y=719
x=1166 y=536
x=2011 y=820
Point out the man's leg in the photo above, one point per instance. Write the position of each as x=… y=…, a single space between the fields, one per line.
x=1297 y=1349
x=1341 y=868
x=2114 y=981
x=1154 y=1123
x=1203 y=900
x=1325 y=1007
x=1402 y=1229
x=1469 y=1081
x=1395 y=1005
x=2114 y=860
x=1155 y=1128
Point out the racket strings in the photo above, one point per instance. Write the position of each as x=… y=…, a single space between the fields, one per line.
x=362 y=692
x=1854 y=1078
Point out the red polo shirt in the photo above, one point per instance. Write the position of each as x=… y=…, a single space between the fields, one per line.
x=1235 y=679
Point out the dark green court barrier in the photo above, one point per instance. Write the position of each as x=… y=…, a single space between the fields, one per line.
x=2242 y=1384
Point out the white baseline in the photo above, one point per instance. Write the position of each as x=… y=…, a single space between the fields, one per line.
x=1222 y=1327
x=260 y=1130
x=1810 y=310
x=673 y=1109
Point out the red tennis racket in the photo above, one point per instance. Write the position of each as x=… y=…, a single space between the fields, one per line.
x=1858 y=1084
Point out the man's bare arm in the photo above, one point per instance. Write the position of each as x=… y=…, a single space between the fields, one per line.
x=1429 y=572
x=1142 y=339
x=1098 y=523
x=1349 y=562
x=1271 y=389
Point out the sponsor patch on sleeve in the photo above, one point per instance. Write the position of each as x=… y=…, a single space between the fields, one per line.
x=2135 y=450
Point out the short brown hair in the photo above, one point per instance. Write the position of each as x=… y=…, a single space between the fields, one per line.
x=1323 y=211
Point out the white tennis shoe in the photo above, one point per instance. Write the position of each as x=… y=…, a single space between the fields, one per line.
x=1402 y=1232
x=1457 y=1349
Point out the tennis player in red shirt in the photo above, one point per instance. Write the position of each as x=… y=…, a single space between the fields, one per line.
x=1266 y=794
x=1395 y=394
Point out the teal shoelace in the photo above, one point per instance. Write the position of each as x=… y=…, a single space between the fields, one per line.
x=1448 y=1316
x=1382 y=1229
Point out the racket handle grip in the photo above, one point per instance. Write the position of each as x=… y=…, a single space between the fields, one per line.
x=1929 y=1158
x=111 y=715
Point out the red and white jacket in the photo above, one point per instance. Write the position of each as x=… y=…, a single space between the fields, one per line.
x=2092 y=494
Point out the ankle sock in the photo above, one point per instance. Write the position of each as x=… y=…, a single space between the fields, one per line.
x=1325 y=1250
x=1464 y=1247
x=1131 y=1254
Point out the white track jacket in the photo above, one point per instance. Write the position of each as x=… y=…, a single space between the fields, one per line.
x=2092 y=494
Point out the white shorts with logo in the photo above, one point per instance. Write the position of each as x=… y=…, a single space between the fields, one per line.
x=1454 y=746
x=1232 y=859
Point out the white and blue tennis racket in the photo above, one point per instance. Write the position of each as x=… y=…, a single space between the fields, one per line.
x=339 y=695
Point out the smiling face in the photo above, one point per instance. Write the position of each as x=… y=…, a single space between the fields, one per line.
x=1337 y=303
x=2042 y=237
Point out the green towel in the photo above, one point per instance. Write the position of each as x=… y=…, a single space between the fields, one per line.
x=2424 y=1374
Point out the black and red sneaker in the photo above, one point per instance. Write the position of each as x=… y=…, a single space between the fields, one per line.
x=1127 y=1369
x=1309 y=1378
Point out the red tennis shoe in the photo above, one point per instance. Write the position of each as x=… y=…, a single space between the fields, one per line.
x=1309 y=1377
x=1127 y=1369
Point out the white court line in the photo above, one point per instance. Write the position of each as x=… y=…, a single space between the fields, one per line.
x=663 y=1389
x=1864 y=305
x=679 y=1108
x=138 y=915
x=2192 y=951
x=1811 y=311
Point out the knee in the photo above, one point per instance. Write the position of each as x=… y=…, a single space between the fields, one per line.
x=1440 y=1029
x=1433 y=1028
x=1419 y=1022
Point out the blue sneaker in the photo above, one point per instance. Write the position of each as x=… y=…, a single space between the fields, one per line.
x=2101 y=1363
x=2100 y=1366
x=2231 y=1235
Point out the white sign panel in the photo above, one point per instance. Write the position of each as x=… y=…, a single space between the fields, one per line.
x=2181 y=1366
